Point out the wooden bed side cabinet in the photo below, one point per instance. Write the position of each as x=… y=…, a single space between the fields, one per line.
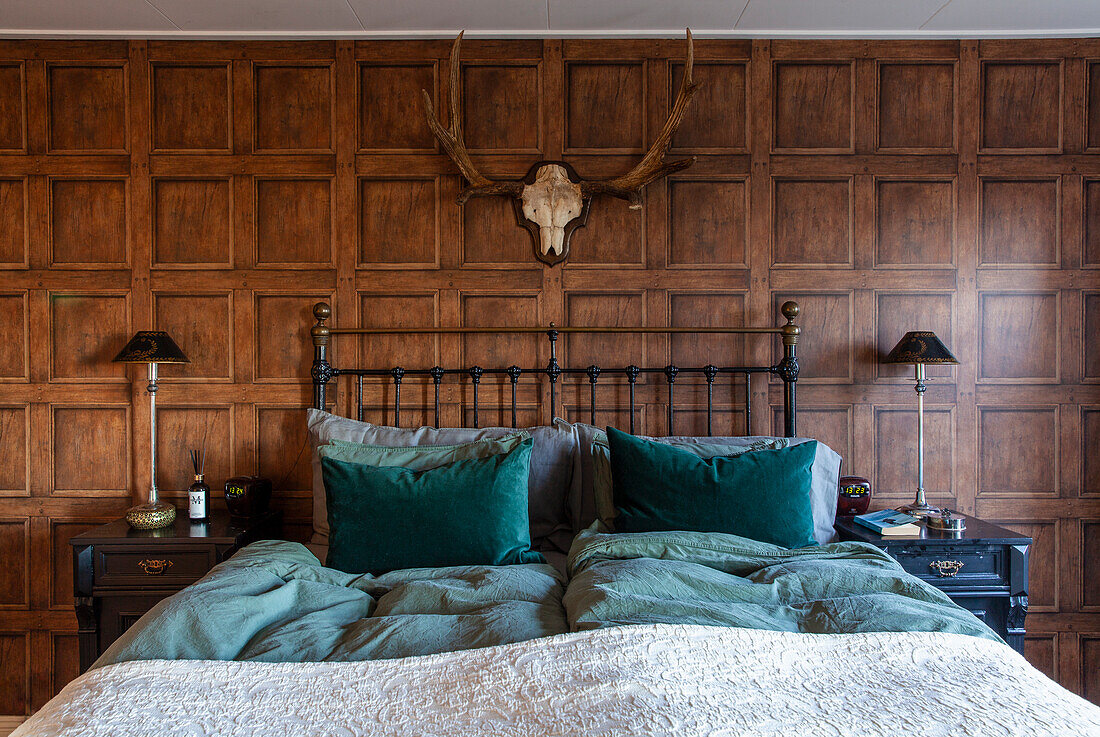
x=983 y=569
x=120 y=573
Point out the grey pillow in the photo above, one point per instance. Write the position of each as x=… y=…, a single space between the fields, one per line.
x=549 y=482
x=825 y=474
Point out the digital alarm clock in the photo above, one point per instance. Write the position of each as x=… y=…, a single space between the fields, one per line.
x=247 y=496
x=853 y=496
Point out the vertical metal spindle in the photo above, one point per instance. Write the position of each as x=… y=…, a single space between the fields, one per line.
x=359 y=397
x=513 y=375
x=397 y=373
x=437 y=376
x=748 y=403
x=670 y=376
x=632 y=372
x=710 y=371
x=593 y=372
x=553 y=370
x=475 y=376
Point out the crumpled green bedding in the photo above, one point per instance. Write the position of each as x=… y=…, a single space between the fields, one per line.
x=274 y=601
x=717 y=579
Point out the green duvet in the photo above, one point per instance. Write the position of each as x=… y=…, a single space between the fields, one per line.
x=274 y=601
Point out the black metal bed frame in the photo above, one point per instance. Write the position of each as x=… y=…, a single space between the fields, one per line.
x=786 y=370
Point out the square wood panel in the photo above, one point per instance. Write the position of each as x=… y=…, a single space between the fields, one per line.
x=829 y=425
x=282 y=344
x=1041 y=650
x=1018 y=451
x=14 y=461
x=15 y=544
x=1091 y=322
x=293 y=107
x=812 y=222
x=13 y=107
x=712 y=310
x=1020 y=337
x=492 y=237
x=916 y=106
x=191 y=110
x=386 y=92
x=1020 y=222
x=388 y=236
x=15 y=676
x=1021 y=106
x=509 y=310
x=65 y=658
x=692 y=422
x=1092 y=222
x=915 y=223
x=716 y=120
x=14 y=359
x=13 y=223
x=282 y=449
x=1092 y=105
x=180 y=429
x=501 y=107
x=417 y=310
x=613 y=236
x=813 y=106
x=202 y=326
x=87 y=108
x=1090 y=668
x=896 y=313
x=896 y=451
x=192 y=223
x=708 y=223
x=89 y=222
x=1044 y=563
x=1090 y=440
x=86 y=332
x=91 y=451
x=293 y=222
x=605 y=106
x=825 y=355
x=604 y=310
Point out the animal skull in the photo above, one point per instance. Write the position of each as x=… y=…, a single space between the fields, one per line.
x=551 y=203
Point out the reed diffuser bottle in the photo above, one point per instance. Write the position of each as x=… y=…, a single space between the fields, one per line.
x=198 y=494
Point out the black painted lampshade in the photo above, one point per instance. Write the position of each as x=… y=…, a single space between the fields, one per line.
x=920 y=346
x=151 y=346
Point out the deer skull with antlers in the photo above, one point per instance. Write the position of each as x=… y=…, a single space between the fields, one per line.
x=552 y=201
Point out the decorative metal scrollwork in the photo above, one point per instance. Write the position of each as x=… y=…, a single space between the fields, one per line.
x=788 y=369
x=322 y=372
x=946 y=568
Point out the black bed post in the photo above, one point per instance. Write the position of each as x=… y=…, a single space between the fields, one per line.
x=788 y=367
x=321 y=371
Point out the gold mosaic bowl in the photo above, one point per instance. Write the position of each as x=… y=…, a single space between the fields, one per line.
x=151 y=516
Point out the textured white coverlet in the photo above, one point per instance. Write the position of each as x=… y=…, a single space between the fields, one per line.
x=635 y=680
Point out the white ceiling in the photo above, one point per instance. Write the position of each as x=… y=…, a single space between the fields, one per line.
x=548 y=18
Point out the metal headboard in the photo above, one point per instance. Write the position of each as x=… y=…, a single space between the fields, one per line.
x=787 y=369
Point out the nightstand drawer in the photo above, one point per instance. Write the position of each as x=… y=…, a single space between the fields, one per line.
x=946 y=567
x=161 y=566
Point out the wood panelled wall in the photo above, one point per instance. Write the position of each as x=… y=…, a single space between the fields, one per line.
x=216 y=190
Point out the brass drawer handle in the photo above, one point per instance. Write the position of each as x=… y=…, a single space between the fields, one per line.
x=946 y=568
x=155 y=567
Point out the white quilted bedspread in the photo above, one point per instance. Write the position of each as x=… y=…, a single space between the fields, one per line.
x=636 y=680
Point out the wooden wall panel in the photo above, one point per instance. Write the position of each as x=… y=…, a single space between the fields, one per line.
x=216 y=190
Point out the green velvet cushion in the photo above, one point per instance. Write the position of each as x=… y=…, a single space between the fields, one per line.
x=764 y=495
x=471 y=512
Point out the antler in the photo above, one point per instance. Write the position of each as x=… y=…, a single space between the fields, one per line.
x=453 y=143
x=653 y=166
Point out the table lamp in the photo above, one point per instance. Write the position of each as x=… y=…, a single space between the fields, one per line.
x=151 y=347
x=920 y=347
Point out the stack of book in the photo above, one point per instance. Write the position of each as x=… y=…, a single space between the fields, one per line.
x=889 y=522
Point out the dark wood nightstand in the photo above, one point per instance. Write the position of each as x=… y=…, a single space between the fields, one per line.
x=120 y=573
x=983 y=569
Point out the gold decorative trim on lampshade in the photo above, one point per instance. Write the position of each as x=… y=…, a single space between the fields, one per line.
x=920 y=346
x=151 y=346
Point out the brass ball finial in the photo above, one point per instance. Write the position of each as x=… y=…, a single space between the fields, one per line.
x=790 y=310
x=322 y=311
